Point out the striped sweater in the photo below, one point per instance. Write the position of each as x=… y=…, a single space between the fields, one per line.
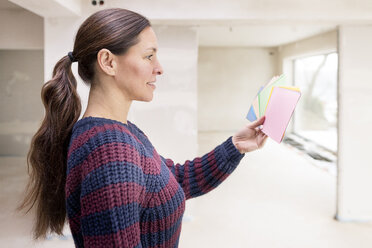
x=121 y=193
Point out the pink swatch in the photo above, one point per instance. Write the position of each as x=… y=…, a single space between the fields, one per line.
x=279 y=112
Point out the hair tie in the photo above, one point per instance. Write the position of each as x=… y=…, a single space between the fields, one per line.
x=72 y=58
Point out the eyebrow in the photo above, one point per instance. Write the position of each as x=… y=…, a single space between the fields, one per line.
x=152 y=48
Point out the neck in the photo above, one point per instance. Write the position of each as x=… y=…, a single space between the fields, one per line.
x=107 y=103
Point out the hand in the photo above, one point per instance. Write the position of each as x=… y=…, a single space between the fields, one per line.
x=250 y=138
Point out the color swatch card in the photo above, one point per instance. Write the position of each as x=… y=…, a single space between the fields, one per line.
x=259 y=103
x=252 y=116
x=264 y=95
x=279 y=111
x=277 y=101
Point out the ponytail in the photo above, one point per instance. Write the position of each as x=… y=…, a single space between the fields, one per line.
x=47 y=157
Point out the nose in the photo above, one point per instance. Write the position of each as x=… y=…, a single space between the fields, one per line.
x=158 y=69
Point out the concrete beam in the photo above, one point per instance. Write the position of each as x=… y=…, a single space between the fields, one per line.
x=194 y=12
x=51 y=8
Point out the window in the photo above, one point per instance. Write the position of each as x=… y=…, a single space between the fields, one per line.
x=315 y=118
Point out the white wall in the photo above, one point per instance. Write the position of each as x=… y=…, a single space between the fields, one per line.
x=21 y=79
x=228 y=81
x=21 y=110
x=355 y=121
x=170 y=120
x=21 y=29
x=354 y=171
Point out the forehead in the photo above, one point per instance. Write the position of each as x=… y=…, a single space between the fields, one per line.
x=147 y=39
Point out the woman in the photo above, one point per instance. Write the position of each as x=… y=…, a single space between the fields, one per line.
x=102 y=172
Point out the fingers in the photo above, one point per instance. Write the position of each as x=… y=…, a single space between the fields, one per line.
x=264 y=140
x=258 y=123
x=261 y=139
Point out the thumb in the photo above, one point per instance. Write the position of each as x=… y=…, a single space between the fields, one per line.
x=258 y=123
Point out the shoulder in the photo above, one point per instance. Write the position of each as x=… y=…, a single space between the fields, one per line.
x=138 y=129
x=92 y=133
x=99 y=146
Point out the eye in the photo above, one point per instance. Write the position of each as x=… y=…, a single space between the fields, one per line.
x=149 y=57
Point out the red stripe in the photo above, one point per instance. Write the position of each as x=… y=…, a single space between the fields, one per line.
x=111 y=152
x=111 y=196
x=163 y=224
x=186 y=181
x=200 y=180
x=120 y=152
x=165 y=194
x=129 y=237
x=84 y=137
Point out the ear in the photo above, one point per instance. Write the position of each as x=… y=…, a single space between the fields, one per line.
x=106 y=61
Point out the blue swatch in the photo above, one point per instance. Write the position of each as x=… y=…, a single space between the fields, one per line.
x=251 y=116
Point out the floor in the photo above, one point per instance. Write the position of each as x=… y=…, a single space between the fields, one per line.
x=275 y=198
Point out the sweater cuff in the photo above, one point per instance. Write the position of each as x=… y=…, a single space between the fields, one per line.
x=230 y=152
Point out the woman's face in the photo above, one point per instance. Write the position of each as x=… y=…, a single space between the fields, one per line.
x=138 y=67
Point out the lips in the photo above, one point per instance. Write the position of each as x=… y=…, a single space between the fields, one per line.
x=151 y=84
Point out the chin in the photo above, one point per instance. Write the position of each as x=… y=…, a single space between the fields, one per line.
x=146 y=98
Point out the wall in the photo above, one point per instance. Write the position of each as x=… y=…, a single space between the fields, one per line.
x=353 y=43
x=21 y=79
x=21 y=29
x=170 y=120
x=228 y=80
x=355 y=120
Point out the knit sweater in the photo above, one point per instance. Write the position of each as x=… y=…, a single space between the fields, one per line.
x=121 y=193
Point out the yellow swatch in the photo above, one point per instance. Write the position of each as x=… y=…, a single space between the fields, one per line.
x=284 y=87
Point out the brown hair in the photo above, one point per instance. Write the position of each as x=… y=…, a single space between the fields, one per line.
x=114 y=29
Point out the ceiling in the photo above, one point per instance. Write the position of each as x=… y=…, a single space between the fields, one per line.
x=242 y=35
x=258 y=35
x=6 y=5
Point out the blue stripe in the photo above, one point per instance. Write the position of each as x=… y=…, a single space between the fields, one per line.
x=193 y=186
x=73 y=204
x=112 y=173
x=211 y=180
x=142 y=137
x=78 y=239
x=110 y=221
x=177 y=242
x=82 y=125
x=172 y=169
